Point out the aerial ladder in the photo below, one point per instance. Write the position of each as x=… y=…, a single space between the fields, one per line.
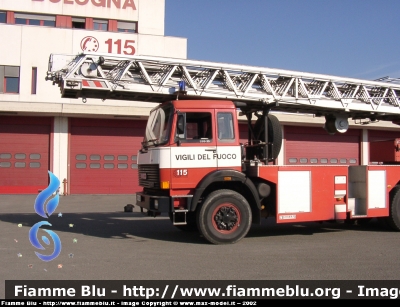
x=157 y=79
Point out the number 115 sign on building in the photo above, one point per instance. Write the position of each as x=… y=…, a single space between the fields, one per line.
x=117 y=44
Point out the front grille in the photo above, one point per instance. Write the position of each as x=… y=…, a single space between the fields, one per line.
x=149 y=175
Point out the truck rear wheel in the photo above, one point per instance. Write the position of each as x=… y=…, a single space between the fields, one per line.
x=393 y=220
x=224 y=217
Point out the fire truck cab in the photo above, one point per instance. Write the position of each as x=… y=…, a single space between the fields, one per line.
x=191 y=148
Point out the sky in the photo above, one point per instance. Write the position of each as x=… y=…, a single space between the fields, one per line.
x=348 y=38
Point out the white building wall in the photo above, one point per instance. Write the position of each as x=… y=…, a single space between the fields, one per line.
x=364 y=147
x=60 y=150
x=10 y=50
x=281 y=156
x=155 y=9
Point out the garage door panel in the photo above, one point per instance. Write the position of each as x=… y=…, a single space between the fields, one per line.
x=379 y=135
x=315 y=146
x=113 y=132
x=24 y=154
x=381 y=145
x=103 y=158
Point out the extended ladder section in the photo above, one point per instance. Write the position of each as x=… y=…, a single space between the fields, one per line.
x=155 y=79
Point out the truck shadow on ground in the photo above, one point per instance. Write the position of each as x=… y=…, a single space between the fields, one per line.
x=136 y=226
x=270 y=228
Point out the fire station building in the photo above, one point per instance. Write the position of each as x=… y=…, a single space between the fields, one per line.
x=91 y=147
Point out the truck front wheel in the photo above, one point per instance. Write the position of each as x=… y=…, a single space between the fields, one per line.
x=224 y=217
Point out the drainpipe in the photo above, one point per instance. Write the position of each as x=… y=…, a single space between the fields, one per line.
x=65 y=186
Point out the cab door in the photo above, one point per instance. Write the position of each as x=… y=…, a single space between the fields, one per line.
x=193 y=154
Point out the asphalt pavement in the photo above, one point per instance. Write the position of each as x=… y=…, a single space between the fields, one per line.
x=100 y=241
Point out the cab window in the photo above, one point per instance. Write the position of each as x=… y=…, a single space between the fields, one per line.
x=198 y=128
x=225 y=126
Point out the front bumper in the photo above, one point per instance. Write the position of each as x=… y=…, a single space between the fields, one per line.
x=154 y=203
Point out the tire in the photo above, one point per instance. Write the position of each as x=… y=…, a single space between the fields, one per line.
x=274 y=134
x=191 y=225
x=393 y=220
x=224 y=217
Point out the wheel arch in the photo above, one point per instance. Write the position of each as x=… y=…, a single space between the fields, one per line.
x=239 y=182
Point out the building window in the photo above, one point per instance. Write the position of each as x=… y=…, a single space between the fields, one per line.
x=35 y=20
x=5 y=156
x=9 y=79
x=11 y=85
x=19 y=164
x=34 y=156
x=80 y=157
x=34 y=80
x=3 y=17
x=99 y=24
x=20 y=156
x=95 y=157
x=129 y=27
x=78 y=23
x=80 y=165
x=34 y=164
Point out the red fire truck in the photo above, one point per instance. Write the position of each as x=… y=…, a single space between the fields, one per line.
x=192 y=164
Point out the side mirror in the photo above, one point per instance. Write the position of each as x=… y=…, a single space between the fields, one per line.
x=181 y=125
x=180 y=128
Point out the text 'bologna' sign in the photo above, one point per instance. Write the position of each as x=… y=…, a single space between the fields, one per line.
x=120 y=4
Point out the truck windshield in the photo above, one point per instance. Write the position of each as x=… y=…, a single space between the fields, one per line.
x=158 y=126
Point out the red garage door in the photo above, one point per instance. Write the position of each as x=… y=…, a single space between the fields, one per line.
x=379 y=135
x=307 y=145
x=381 y=145
x=24 y=154
x=103 y=156
x=243 y=133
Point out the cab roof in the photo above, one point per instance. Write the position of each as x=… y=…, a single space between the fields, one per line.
x=207 y=104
